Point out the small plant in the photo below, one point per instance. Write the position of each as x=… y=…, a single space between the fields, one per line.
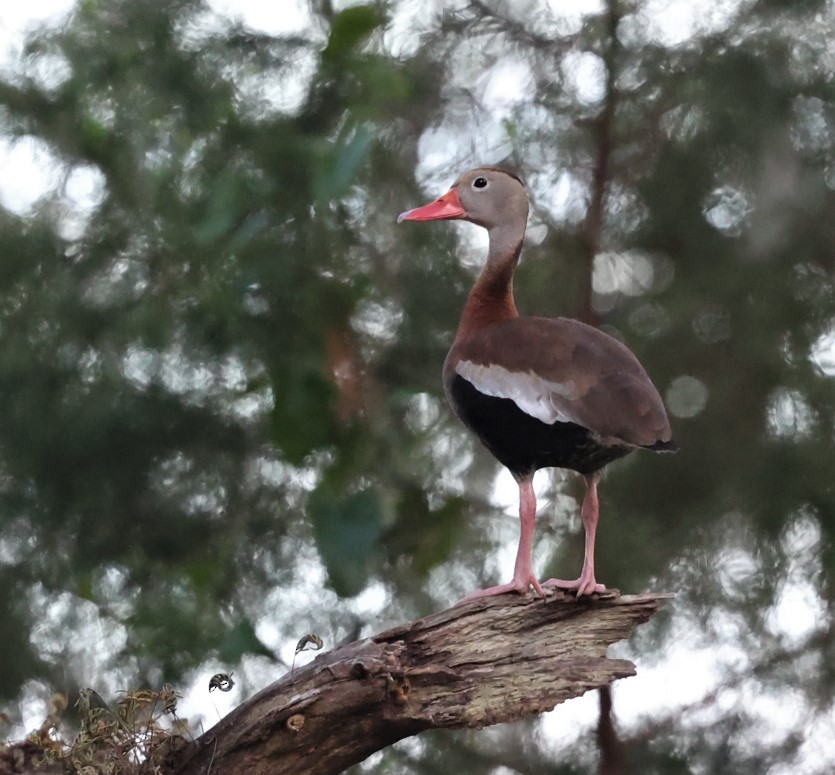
x=129 y=738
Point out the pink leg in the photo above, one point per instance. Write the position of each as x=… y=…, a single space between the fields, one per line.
x=523 y=576
x=586 y=584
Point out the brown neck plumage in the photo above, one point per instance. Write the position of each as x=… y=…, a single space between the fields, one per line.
x=491 y=298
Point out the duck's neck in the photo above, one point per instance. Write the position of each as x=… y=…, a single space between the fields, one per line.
x=491 y=298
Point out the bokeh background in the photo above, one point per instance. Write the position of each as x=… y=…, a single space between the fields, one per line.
x=221 y=419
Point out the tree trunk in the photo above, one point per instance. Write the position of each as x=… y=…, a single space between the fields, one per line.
x=486 y=662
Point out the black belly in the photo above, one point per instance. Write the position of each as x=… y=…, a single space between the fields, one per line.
x=523 y=443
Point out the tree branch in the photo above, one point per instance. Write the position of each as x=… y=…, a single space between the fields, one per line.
x=486 y=662
x=601 y=174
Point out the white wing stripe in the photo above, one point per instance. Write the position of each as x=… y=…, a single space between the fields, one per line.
x=532 y=394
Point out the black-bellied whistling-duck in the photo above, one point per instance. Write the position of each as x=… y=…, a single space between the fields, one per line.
x=538 y=392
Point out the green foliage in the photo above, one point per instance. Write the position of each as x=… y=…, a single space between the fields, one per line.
x=346 y=527
x=220 y=407
x=428 y=536
x=338 y=166
x=241 y=640
x=349 y=29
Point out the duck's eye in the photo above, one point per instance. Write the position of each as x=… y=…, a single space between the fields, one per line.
x=480 y=183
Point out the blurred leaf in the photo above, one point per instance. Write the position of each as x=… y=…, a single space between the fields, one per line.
x=239 y=641
x=346 y=529
x=303 y=414
x=339 y=166
x=225 y=208
x=350 y=28
x=427 y=536
x=20 y=661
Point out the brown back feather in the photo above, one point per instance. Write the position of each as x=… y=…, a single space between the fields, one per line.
x=610 y=392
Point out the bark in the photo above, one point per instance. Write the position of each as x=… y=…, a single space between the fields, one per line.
x=486 y=662
x=612 y=749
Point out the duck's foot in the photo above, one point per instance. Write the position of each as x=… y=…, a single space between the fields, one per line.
x=585 y=585
x=522 y=585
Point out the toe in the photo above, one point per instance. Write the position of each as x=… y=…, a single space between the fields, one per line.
x=520 y=585
x=581 y=587
x=589 y=587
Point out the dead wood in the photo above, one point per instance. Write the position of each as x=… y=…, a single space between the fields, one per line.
x=486 y=662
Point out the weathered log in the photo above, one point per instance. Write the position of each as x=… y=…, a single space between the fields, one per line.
x=486 y=662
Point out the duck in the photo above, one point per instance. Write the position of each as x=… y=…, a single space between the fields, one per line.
x=538 y=392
